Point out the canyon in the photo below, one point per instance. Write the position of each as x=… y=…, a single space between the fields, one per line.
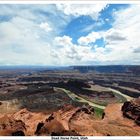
x=76 y=100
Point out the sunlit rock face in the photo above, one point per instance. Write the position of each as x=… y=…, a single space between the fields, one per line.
x=131 y=109
x=73 y=121
x=11 y=127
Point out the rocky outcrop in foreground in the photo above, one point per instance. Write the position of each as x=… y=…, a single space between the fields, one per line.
x=131 y=109
x=11 y=127
x=26 y=123
x=73 y=121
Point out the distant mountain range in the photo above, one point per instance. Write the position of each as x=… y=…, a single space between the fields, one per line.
x=135 y=69
x=110 y=68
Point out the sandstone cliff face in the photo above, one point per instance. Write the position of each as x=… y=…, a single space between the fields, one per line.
x=31 y=119
x=70 y=121
x=29 y=123
x=60 y=122
x=11 y=127
x=131 y=110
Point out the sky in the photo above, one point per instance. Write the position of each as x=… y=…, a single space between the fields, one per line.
x=69 y=34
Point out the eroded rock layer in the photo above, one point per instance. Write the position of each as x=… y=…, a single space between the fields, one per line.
x=71 y=120
x=131 y=109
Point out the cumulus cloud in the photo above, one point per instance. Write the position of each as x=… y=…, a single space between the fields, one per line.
x=125 y=33
x=92 y=37
x=63 y=41
x=32 y=36
x=121 y=41
x=137 y=50
x=45 y=26
x=21 y=40
x=70 y=54
x=82 y=9
x=114 y=35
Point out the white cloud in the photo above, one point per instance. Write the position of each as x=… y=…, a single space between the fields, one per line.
x=45 y=26
x=63 y=41
x=28 y=40
x=82 y=9
x=114 y=35
x=122 y=40
x=31 y=40
x=71 y=54
x=22 y=43
x=128 y=22
x=92 y=37
x=26 y=37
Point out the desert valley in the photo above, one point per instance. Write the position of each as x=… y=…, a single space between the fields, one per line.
x=74 y=100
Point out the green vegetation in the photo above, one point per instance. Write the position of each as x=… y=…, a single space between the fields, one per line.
x=98 y=112
x=73 y=96
x=98 y=101
x=77 y=98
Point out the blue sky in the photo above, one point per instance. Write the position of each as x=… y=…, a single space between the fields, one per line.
x=69 y=34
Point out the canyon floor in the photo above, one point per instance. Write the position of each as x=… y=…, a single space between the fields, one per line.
x=69 y=102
